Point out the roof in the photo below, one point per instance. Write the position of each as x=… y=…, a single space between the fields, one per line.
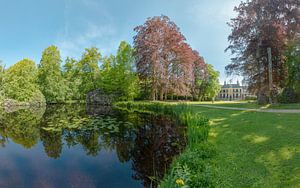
x=231 y=86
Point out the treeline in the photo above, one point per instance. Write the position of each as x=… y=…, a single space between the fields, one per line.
x=160 y=65
x=167 y=66
x=52 y=82
x=261 y=26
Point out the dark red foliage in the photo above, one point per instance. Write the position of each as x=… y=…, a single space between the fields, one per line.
x=261 y=24
x=165 y=62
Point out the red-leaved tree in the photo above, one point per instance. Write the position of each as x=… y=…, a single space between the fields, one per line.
x=165 y=62
x=262 y=24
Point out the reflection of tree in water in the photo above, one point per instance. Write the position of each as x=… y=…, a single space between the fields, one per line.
x=157 y=142
x=21 y=126
x=87 y=138
x=58 y=115
x=149 y=141
x=52 y=142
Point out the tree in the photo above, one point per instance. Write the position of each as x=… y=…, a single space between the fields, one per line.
x=209 y=88
x=200 y=76
x=50 y=79
x=163 y=58
x=1 y=81
x=88 y=71
x=291 y=92
x=118 y=76
x=71 y=78
x=262 y=24
x=1 y=74
x=20 y=83
x=293 y=65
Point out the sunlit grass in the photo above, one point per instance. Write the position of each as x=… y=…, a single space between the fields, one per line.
x=249 y=104
x=255 y=149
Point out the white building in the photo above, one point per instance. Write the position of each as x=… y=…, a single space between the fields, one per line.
x=232 y=92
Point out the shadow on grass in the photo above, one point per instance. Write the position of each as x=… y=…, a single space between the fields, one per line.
x=255 y=149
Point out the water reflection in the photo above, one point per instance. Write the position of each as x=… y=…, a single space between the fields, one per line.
x=144 y=146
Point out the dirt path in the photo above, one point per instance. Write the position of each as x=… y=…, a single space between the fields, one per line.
x=286 y=111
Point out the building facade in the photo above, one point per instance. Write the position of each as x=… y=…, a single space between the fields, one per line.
x=230 y=92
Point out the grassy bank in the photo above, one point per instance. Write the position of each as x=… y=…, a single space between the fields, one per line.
x=250 y=104
x=254 y=149
x=195 y=166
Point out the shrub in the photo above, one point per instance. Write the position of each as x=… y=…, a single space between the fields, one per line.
x=289 y=95
x=250 y=98
x=20 y=83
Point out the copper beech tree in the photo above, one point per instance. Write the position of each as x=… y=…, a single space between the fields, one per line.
x=262 y=24
x=165 y=63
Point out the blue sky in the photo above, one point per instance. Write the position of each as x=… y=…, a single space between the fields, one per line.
x=29 y=26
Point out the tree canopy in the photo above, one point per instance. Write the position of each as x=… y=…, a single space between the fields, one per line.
x=20 y=82
x=118 y=76
x=50 y=77
x=160 y=65
x=262 y=24
x=164 y=60
x=88 y=71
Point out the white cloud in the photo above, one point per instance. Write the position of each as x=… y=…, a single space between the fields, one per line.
x=94 y=35
x=220 y=11
x=82 y=32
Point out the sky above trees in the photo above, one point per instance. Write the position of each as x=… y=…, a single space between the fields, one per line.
x=72 y=25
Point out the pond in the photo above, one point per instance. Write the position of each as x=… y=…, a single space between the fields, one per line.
x=79 y=146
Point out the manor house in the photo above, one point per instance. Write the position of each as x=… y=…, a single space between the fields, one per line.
x=233 y=92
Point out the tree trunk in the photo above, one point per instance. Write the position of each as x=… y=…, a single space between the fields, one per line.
x=161 y=95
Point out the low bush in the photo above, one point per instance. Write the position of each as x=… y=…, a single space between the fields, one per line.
x=289 y=95
x=250 y=98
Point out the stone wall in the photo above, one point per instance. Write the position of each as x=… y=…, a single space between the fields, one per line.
x=99 y=97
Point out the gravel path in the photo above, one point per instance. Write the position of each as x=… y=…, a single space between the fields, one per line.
x=286 y=111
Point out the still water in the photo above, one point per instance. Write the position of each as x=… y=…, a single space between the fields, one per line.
x=78 y=146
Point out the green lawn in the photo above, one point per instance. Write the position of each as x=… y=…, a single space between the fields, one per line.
x=251 y=104
x=255 y=149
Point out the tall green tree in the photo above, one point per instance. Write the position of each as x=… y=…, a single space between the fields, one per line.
x=293 y=65
x=1 y=81
x=72 y=80
x=208 y=88
x=291 y=92
x=88 y=71
x=50 y=79
x=20 y=82
x=118 y=76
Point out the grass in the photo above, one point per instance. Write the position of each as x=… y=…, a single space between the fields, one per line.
x=254 y=149
x=250 y=104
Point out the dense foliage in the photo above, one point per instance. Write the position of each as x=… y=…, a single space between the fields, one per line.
x=262 y=24
x=118 y=76
x=165 y=62
x=1 y=82
x=88 y=71
x=207 y=89
x=19 y=83
x=161 y=65
x=50 y=77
